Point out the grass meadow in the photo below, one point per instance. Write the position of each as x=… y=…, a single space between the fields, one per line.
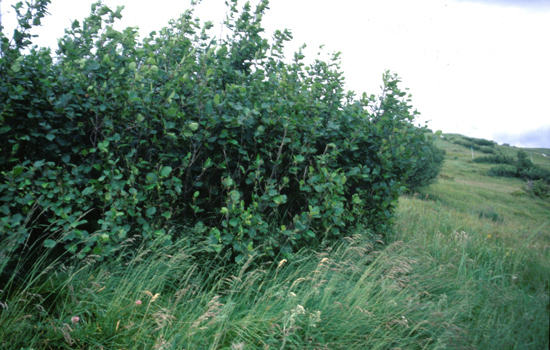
x=466 y=267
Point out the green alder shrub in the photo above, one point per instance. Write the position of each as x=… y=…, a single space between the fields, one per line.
x=181 y=132
x=480 y=142
x=428 y=167
x=523 y=163
x=539 y=188
x=495 y=159
x=504 y=170
x=478 y=146
x=538 y=178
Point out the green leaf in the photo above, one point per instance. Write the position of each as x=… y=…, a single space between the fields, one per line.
x=50 y=137
x=208 y=109
x=234 y=222
x=17 y=170
x=165 y=171
x=251 y=233
x=151 y=178
x=194 y=126
x=299 y=158
x=88 y=190
x=151 y=211
x=49 y=243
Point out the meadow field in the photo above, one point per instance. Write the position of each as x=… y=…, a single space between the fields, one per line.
x=466 y=267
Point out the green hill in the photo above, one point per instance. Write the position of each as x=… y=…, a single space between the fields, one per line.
x=465 y=186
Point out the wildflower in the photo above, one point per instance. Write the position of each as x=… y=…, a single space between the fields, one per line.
x=75 y=319
x=314 y=318
x=299 y=310
x=138 y=302
x=488 y=236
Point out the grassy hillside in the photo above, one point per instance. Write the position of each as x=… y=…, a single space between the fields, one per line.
x=467 y=267
x=465 y=186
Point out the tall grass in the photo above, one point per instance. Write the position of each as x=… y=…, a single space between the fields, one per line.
x=445 y=280
x=497 y=281
x=450 y=276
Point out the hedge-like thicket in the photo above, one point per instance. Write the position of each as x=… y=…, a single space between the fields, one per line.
x=181 y=134
x=427 y=167
x=495 y=159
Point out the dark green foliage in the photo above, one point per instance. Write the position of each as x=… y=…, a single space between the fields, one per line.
x=118 y=138
x=468 y=143
x=496 y=159
x=504 y=170
x=537 y=177
x=523 y=163
x=536 y=173
x=480 y=142
x=487 y=150
x=529 y=171
x=539 y=188
x=428 y=166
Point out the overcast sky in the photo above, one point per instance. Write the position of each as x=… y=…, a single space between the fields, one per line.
x=480 y=68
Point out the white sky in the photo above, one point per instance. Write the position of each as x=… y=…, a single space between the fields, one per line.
x=475 y=67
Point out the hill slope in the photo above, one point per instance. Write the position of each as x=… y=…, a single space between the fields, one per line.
x=465 y=186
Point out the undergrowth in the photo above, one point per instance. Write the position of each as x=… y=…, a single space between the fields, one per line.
x=445 y=279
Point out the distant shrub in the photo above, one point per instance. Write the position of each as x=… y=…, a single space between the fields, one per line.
x=504 y=170
x=474 y=145
x=536 y=173
x=484 y=149
x=496 y=159
x=480 y=142
x=538 y=178
x=463 y=143
x=539 y=188
x=427 y=167
x=529 y=171
x=523 y=163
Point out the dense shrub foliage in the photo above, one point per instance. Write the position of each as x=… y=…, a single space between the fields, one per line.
x=539 y=188
x=495 y=159
x=480 y=142
x=225 y=139
x=538 y=178
x=428 y=166
x=504 y=170
x=480 y=145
